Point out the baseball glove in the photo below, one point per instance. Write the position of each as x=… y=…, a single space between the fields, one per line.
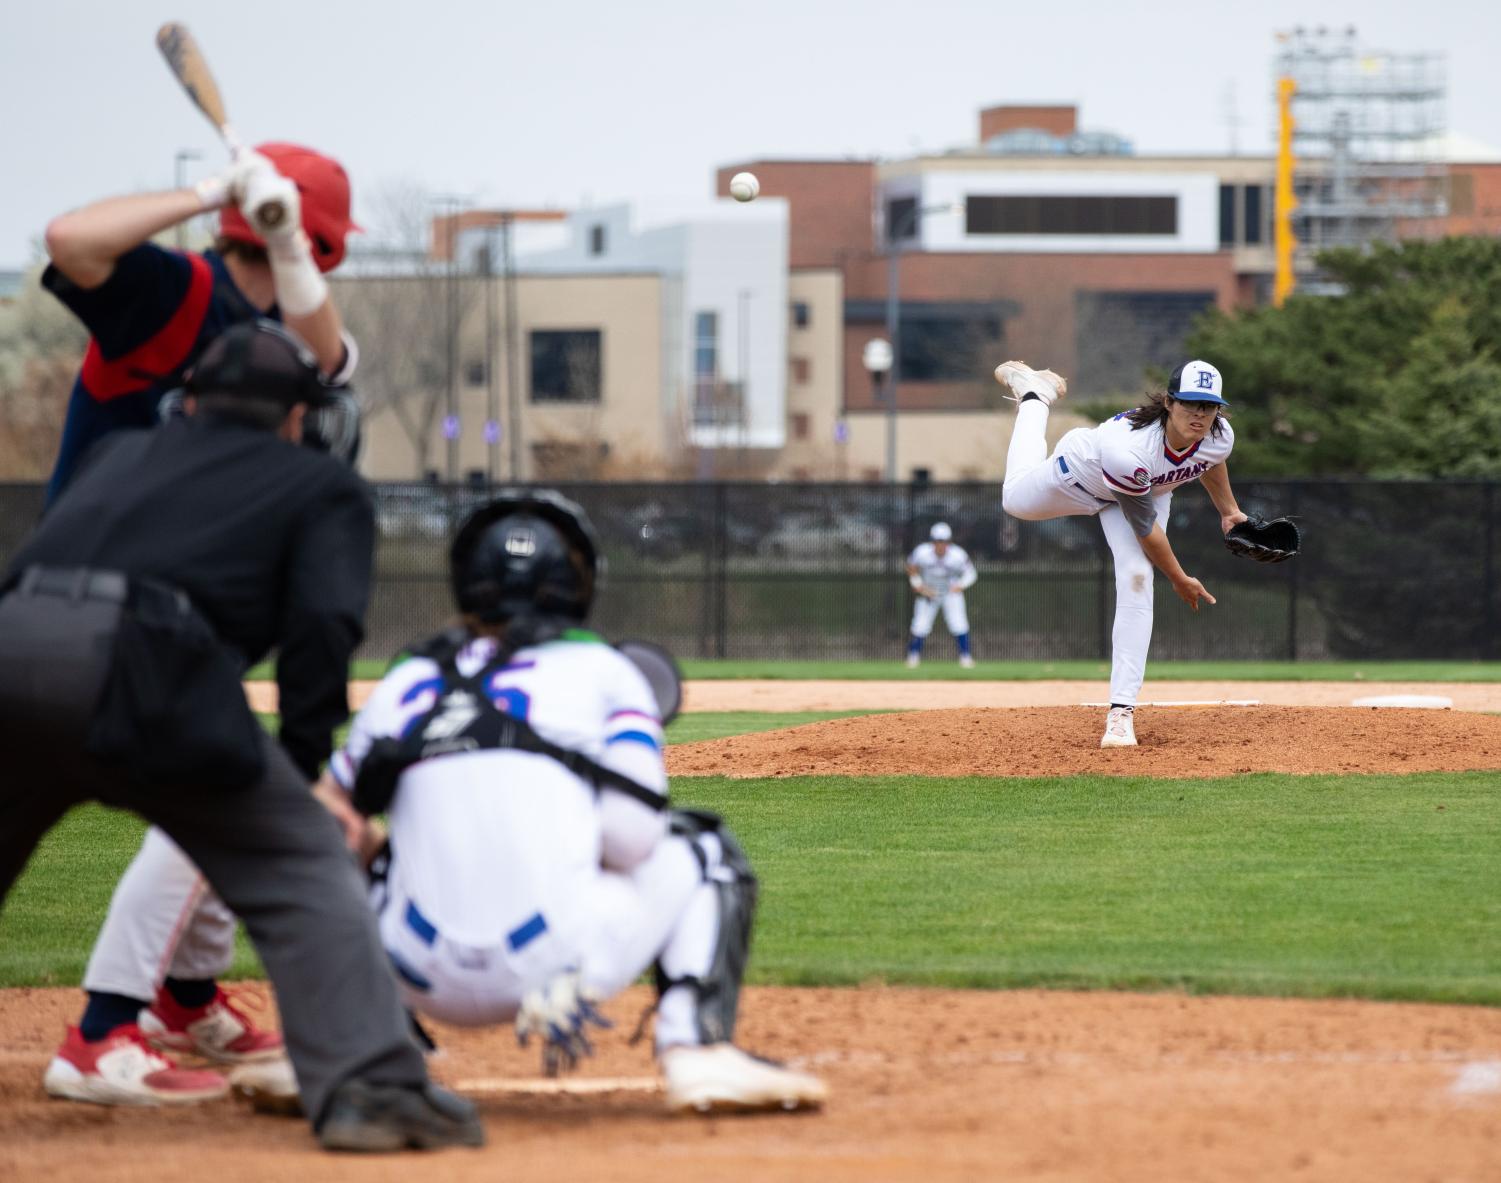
x=1273 y=541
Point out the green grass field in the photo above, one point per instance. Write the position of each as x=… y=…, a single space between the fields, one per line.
x=1026 y=671
x=1368 y=886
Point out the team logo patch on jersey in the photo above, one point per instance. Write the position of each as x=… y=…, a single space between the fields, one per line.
x=1142 y=477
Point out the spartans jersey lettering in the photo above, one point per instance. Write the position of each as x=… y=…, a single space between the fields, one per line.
x=1113 y=460
x=941 y=574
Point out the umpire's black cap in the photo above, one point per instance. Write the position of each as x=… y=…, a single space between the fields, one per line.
x=259 y=359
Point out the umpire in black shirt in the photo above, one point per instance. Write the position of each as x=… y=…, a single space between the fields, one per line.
x=177 y=558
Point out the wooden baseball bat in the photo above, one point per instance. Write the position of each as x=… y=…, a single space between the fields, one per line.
x=187 y=63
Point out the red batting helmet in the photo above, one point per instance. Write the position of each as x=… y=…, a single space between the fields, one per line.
x=324 y=188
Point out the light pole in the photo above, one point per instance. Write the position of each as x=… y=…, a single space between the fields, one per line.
x=180 y=181
x=897 y=233
x=877 y=358
x=452 y=422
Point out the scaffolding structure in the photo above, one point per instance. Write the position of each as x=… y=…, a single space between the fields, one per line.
x=1367 y=139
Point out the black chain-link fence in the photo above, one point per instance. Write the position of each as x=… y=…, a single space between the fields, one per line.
x=1389 y=570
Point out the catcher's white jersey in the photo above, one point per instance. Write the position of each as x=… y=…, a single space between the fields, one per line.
x=954 y=571
x=1113 y=460
x=483 y=839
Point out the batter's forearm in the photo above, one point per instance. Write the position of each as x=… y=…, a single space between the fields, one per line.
x=323 y=332
x=84 y=243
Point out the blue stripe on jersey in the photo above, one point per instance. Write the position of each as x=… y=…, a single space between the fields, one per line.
x=519 y=938
x=420 y=924
x=422 y=687
x=650 y=741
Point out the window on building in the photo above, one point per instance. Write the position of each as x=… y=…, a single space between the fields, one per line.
x=802 y=370
x=901 y=218
x=946 y=348
x=1253 y=213
x=801 y=426
x=1120 y=334
x=474 y=372
x=706 y=392
x=706 y=346
x=566 y=365
x=596 y=240
x=1071 y=215
x=1462 y=194
x=1227 y=215
x=802 y=315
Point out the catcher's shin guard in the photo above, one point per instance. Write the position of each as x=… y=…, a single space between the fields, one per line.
x=727 y=870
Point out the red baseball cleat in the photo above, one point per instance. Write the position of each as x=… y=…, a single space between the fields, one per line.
x=219 y=1031
x=122 y=1069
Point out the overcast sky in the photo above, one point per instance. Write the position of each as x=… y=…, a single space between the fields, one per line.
x=568 y=103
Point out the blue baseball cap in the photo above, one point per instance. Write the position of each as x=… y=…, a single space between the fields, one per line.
x=1197 y=382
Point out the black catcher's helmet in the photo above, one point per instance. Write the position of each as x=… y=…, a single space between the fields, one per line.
x=526 y=552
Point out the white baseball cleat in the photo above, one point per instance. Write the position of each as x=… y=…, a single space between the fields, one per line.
x=1120 y=730
x=966 y=662
x=913 y=661
x=1024 y=380
x=720 y=1078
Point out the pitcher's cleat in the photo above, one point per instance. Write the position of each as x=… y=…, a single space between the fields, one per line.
x=1120 y=729
x=1024 y=380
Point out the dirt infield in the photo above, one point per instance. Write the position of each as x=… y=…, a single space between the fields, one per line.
x=930 y=1085
x=927 y=1085
x=1064 y=741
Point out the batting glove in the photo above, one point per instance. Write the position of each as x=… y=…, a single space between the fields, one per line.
x=264 y=187
x=560 y=1013
x=228 y=187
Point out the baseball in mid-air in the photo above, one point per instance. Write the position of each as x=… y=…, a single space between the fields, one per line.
x=744 y=186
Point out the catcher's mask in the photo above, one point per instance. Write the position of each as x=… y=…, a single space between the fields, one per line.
x=525 y=553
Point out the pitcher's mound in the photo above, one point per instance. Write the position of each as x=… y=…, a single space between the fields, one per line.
x=1064 y=741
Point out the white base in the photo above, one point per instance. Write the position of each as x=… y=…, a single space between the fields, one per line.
x=1432 y=702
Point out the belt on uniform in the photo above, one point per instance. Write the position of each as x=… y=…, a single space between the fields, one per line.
x=1063 y=466
x=91 y=583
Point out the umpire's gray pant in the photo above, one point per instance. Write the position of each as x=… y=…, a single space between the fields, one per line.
x=273 y=854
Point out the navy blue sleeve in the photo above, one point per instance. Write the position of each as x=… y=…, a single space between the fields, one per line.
x=142 y=293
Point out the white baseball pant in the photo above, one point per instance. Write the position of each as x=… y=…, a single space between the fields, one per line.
x=1036 y=489
x=610 y=926
x=163 y=920
x=925 y=612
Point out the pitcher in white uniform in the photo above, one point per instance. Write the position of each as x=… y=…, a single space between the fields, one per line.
x=940 y=571
x=1124 y=471
x=534 y=867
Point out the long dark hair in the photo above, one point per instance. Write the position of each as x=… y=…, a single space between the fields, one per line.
x=1154 y=410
